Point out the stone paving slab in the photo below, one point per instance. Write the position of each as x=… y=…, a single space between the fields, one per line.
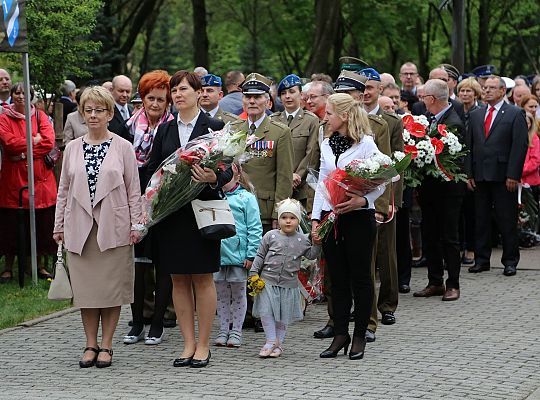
x=484 y=346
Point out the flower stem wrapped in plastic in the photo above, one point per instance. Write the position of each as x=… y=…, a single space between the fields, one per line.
x=171 y=186
x=359 y=177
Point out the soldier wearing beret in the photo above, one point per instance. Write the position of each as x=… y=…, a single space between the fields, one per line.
x=304 y=127
x=385 y=250
x=270 y=167
x=354 y=84
x=210 y=97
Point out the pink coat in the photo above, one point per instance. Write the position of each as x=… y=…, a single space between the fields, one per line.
x=532 y=163
x=117 y=202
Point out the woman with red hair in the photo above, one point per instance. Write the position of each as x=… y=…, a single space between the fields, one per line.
x=155 y=94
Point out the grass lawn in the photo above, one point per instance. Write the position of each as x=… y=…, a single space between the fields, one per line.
x=18 y=305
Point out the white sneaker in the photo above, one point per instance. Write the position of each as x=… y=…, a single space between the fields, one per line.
x=221 y=339
x=129 y=339
x=235 y=339
x=154 y=340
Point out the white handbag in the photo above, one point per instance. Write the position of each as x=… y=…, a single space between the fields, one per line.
x=214 y=218
x=60 y=288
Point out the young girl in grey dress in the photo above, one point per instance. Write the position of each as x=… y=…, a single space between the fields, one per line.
x=278 y=262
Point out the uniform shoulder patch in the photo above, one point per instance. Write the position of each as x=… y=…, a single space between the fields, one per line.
x=310 y=114
x=377 y=119
x=392 y=115
x=277 y=123
x=230 y=114
x=275 y=114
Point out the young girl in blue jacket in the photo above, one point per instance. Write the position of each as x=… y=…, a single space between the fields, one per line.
x=237 y=254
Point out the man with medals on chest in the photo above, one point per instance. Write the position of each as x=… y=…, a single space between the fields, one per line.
x=304 y=127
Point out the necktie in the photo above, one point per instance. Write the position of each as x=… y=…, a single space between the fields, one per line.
x=208 y=115
x=124 y=113
x=289 y=120
x=252 y=128
x=487 y=122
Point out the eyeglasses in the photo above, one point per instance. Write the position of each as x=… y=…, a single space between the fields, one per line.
x=98 y=111
x=312 y=97
x=426 y=95
x=490 y=88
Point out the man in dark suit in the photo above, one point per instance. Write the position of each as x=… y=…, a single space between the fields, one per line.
x=121 y=92
x=441 y=205
x=497 y=140
x=67 y=99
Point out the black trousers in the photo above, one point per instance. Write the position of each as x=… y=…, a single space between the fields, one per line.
x=494 y=195
x=403 y=246
x=466 y=223
x=440 y=222
x=348 y=257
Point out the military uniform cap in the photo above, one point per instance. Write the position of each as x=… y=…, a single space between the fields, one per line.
x=451 y=71
x=136 y=99
x=348 y=80
x=352 y=63
x=256 y=84
x=211 y=80
x=483 y=71
x=466 y=75
x=371 y=74
x=288 y=82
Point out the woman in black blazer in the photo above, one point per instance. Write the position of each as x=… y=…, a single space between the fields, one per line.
x=177 y=245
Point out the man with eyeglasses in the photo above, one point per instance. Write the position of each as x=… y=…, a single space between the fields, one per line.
x=316 y=97
x=497 y=140
x=440 y=202
x=407 y=75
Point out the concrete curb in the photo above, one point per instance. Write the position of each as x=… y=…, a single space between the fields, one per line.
x=534 y=395
x=35 y=321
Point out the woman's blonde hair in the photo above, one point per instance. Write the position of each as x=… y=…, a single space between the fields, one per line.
x=357 y=121
x=98 y=95
x=471 y=83
x=534 y=127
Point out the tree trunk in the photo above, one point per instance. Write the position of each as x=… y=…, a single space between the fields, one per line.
x=327 y=14
x=200 y=37
x=483 y=52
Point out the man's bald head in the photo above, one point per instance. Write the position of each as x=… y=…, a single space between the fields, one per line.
x=387 y=104
x=121 y=89
x=5 y=84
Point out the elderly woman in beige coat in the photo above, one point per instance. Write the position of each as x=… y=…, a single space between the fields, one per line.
x=98 y=204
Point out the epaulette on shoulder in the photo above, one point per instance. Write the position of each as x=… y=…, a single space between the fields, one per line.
x=393 y=115
x=277 y=123
x=230 y=114
x=275 y=114
x=377 y=118
x=306 y=112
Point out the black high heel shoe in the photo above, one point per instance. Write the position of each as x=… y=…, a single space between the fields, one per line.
x=359 y=345
x=201 y=363
x=334 y=348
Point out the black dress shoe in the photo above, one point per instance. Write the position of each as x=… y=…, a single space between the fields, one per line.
x=183 y=362
x=257 y=326
x=404 y=288
x=339 y=342
x=421 y=262
x=324 y=333
x=509 y=270
x=479 y=268
x=357 y=349
x=370 y=336
x=388 y=318
x=200 y=363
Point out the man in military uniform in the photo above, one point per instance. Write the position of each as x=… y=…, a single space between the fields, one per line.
x=304 y=127
x=270 y=167
x=385 y=257
x=210 y=97
x=354 y=84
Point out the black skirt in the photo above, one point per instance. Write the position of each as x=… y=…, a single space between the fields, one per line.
x=178 y=247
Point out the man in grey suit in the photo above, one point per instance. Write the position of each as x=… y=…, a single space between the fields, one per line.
x=497 y=142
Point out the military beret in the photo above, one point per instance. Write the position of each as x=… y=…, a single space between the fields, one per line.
x=256 y=84
x=136 y=99
x=484 y=71
x=371 y=74
x=288 y=82
x=451 y=71
x=211 y=80
x=348 y=80
x=352 y=63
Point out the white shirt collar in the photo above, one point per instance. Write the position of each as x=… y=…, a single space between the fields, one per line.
x=375 y=110
x=192 y=122
x=497 y=106
x=293 y=113
x=258 y=122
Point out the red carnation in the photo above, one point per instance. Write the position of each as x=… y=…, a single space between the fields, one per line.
x=437 y=144
x=412 y=150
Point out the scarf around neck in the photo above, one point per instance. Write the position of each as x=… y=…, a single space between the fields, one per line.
x=339 y=144
x=143 y=135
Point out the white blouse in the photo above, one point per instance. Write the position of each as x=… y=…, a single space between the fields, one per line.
x=365 y=149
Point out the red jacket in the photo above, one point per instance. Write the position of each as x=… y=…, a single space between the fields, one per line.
x=14 y=174
x=532 y=163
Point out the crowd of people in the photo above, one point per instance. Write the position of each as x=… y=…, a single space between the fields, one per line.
x=114 y=142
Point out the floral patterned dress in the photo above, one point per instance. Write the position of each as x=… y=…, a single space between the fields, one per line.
x=94 y=154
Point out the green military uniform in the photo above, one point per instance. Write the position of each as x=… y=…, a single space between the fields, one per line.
x=385 y=257
x=270 y=167
x=306 y=152
x=226 y=116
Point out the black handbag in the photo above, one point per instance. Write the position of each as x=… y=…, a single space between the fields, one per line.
x=54 y=155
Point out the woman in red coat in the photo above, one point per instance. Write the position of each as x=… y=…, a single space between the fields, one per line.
x=14 y=176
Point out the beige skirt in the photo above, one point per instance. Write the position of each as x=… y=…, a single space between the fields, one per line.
x=101 y=279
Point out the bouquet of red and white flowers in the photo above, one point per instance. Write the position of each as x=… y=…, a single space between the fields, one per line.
x=359 y=177
x=436 y=152
x=171 y=186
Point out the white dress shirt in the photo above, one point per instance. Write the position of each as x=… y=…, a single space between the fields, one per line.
x=293 y=113
x=258 y=122
x=365 y=149
x=375 y=110
x=186 y=128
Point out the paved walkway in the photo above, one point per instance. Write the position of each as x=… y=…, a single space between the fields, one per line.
x=484 y=346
